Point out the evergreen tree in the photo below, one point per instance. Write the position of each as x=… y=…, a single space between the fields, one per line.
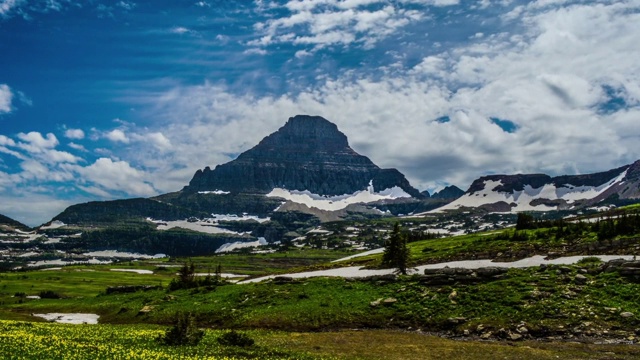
x=396 y=253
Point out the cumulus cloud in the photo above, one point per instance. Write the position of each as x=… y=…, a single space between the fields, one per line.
x=108 y=175
x=117 y=135
x=547 y=81
x=76 y=134
x=6 y=96
x=333 y=22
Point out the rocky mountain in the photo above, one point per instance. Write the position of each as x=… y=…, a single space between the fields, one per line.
x=308 y=153
x=540 y=192
x=450 y=192
x=6 y=223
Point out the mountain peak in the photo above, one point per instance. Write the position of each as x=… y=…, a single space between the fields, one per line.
x=308 y=153
x=307 y=133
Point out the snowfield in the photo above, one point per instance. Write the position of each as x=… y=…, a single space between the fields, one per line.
x=523 y=199
x=339 y=202
x=207 y=226
x=239 y=245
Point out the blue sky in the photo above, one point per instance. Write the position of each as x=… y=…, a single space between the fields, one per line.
x=110 y=99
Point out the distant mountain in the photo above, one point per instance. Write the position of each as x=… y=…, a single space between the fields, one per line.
x=308 y=153
x=539 y=192
x=8 y=223
x=450 y=192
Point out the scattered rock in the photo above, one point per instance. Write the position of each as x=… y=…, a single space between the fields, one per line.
x=146 y=309
x=580 y=279
x=626 y=314
x=515 y=336
x=457 y=320
x=486 y=335
x=375 y=303
x=481 y=327
x=453 y=295
x=389 y=301
x=522 y=330
x=466 y=333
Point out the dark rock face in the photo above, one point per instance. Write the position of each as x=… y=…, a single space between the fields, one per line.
x=4 y=220
x=307 y=153
x=451 y=192
x=596 y=179
x=511 y=183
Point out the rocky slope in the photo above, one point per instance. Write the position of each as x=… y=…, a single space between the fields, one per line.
x=539 y=192
x=308 y=153
x=8 y=224
x=451 y=192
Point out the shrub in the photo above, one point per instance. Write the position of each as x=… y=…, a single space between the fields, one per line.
x=184 y=332
x=48 y=294
x=233 y=338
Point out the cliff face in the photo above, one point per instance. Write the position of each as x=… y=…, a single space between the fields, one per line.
x=307 y=153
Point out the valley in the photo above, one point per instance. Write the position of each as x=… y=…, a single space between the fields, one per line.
x=283 y=253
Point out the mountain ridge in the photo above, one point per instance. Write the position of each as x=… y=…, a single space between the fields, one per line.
x=541 y=192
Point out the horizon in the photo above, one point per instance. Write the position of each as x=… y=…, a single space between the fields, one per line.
x=120 y=99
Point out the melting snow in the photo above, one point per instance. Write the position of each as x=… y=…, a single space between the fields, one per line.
x=239 y=245
x=54 y=225
x=222 y=275
x=127 y=255
x=137 y=271
x=522 y=199
x=63 y=262
x=332 y=203
x=214 y=192
x=74 y=318
x=359 y=272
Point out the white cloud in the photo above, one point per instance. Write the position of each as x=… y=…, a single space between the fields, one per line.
x=117 y=135
x=156 y=139
x=31 y=208
x=547 y=80
x=115 y=176
x=322 y=23
x=179 y=30
x=76 y=134
x=6 y=96
x=256 y=51
x=77 y=147
x=7 y=6
x=34 y=142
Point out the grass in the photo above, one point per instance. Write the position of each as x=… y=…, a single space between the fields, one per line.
x=264 y=264
x=19 y=340
x=546 y=301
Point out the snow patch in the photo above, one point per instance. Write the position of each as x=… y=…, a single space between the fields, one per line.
x=239 y=245
x=137 y=271
x=359 y=271
x=54 y=225
x=333 y=203
x=522 y=199
x=73 y=318
x=214 y=192
x=123 y=255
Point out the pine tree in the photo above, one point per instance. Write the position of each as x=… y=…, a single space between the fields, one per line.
x=396 y=253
